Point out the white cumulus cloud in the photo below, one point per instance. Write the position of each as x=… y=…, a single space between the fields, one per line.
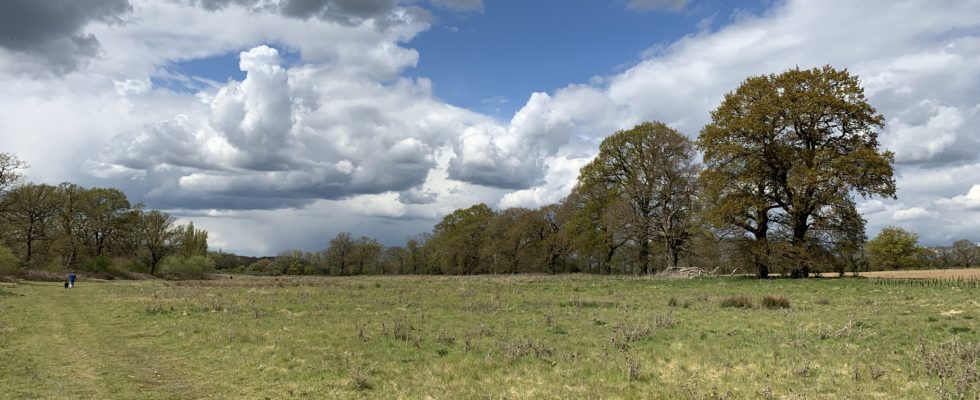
x=326 y=125
x=969 y=201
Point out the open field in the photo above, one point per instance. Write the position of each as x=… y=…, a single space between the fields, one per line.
x=487 y=337
x=970 y=273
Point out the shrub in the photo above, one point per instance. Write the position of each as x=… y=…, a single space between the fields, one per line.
x=263 y=267
x=516 y=349
x=775 y=302
x=360 y=376
x=736 y=302
x=632 y=367
x=98 y=264
x=128 y=265
x=9 y=263
x=955 y=365
x=666 y=321
x=193 y=267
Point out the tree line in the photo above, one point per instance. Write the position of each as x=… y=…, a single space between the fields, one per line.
x=782 y=160
x=896 y=248
x=69 y=227
x=768 y=185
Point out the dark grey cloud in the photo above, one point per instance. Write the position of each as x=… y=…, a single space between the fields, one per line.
x=417 y=196
x=166 y=142
x=381 y=174
x=502 y=174
x=169 y=196
x=459 y=5
x=653 y=5
x=326 y=9
x=344 y=11
x=51 y=32
x=213 y=5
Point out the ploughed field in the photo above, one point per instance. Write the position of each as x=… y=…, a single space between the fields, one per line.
x=966 y=274
x=488 y=337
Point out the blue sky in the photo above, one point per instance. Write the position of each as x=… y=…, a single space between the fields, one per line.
x=276 y=127
x=491 y=60
x=497 y=58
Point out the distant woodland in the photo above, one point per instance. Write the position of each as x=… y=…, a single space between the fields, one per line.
x=69 y=227
x=768 y=186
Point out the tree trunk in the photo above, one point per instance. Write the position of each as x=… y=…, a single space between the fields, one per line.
x=673 y=252
x=802 y=270
x=154 y=260
x=608 y=262
x=762 y=255
x=644 y=258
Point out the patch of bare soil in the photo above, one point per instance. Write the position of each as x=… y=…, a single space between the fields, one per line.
x=970 y=273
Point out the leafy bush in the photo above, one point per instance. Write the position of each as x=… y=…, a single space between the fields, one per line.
x=775 y=302
x=127 y=265
x=9 y=263
x=737 y=302
x=263 y=267
x=98 y=264
x=193 y=267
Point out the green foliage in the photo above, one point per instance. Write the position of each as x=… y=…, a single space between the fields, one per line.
x=417 y=258
x=31 y=214
x=394 y=260
x=789 y=149
x=193 y=267
x=263 y=266
x=457 y=239
x=9 y=263
x=650 y=173
x=92 y=229
x=106 y=212
x=128 y=264
x=98 y=264
x=229 y=261
x=894 y=248
x=192 y=242
x=594 y=229
x=10 y=174
x=525 y=240
x=366 y=256
x=291 y=263
x=339 y=252
x=965 y=253
x=157 y=237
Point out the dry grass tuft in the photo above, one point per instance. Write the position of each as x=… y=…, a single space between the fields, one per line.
x=775 y=302
x=737 y=302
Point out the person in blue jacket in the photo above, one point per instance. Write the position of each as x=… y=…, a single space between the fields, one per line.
x=71 y=280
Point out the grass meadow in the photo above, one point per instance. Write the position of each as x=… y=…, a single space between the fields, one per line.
x=513 y=337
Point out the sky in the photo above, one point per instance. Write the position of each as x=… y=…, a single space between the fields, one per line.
x=276 y=124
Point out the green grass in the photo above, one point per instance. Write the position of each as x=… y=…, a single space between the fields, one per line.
x=485 y=337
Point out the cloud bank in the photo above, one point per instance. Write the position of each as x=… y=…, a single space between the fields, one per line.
x=340 y=139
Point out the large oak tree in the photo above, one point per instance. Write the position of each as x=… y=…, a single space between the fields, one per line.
x=791 y=149
x=652 y=168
